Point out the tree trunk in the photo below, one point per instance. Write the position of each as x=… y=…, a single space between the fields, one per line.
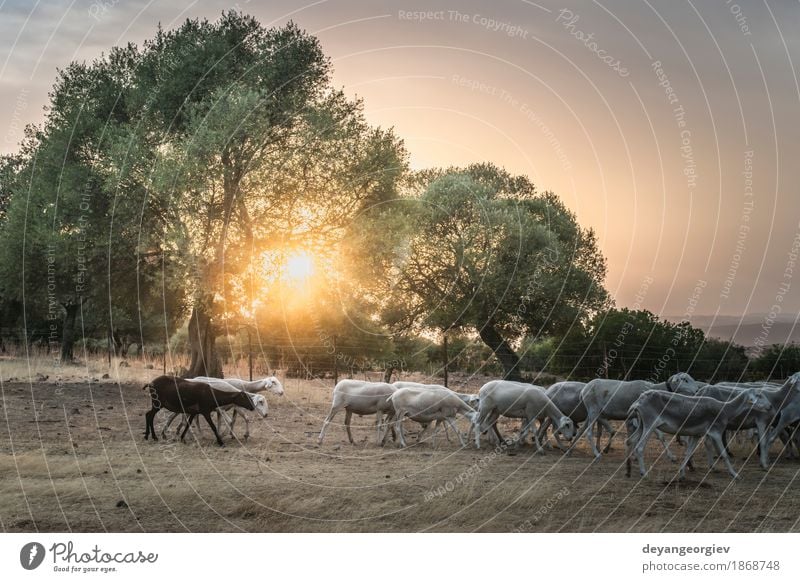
x=502 y=350
x=202 y=342
x=68 y=331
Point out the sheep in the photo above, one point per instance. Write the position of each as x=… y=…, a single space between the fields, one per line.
x=725 y=392
x=362 y=398
x=692 y=416
x=519 y=400
x=259 y=402
x=427 y=404
x=567 y=398
x=270 y=383
x=610 y=399
x=785 y=401
x=469 y=399
x=192 y=398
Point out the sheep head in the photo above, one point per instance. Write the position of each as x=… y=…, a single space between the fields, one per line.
x=566 y=427
x=260 y=405
x=682 y=383
x=272 y=384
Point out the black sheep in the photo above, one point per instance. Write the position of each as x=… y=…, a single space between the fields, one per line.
x=192 y=398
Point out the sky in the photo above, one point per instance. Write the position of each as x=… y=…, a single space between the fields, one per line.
x=669 y=127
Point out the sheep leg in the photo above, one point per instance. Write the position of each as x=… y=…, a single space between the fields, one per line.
x=348 y=415
x=449 y=421
x=543 y=432
x=612 y=432
x=539 y=447
x=710 y=457
x=394 y=431
x=590 y=418
x=717 y=439
x=334 y=410
x=207 y=416
x=763 y=448
x=446 y=432
x=378 y=422
x=660 y=437
x=499 y=438
x=388 y=424
x=425 y=428
x=172 y=417
x=246 y=423
x=188 y=424
x=630 y=440
x=777 y=431
x=149 y=423
x=691 y=445
x=483 y=414
x=640 y=446
x=599 y=428
x=590 y=438
x=229 y=423
x=398 y=423
x=523 y=433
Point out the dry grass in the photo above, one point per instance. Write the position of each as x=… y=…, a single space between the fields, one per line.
x=70 y=453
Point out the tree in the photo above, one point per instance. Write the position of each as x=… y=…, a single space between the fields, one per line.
x=489 y=254
x=250 y=148
x=74 y=229
x=636 y=344
x=777 y=361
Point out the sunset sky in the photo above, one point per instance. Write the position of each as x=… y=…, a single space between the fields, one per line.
x=671 y=128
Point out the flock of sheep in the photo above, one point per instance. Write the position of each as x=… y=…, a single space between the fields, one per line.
x=681 y=407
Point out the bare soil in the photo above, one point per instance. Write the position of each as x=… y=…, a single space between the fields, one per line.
x=73 y=458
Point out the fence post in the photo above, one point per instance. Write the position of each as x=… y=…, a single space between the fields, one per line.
x=446 y=360
x=335 y=363
x=250 y=353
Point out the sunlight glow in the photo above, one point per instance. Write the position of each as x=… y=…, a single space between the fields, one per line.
x=299 y=268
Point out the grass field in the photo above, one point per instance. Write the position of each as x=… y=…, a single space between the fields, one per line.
x=72 y=458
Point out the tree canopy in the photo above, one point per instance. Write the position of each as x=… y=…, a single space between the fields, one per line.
x=491 y=255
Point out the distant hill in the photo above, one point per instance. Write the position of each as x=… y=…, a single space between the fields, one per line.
x=746 y=329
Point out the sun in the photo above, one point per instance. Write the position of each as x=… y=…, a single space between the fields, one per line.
x=299 y=268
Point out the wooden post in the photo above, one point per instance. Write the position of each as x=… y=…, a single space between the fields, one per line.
x=335 y=363
x=110 y=343
x=250 y=353
x=446 y=360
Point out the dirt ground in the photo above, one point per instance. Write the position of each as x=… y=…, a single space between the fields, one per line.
x=73 y=458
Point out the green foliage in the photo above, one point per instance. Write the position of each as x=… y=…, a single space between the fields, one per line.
x=777 y=361
x=488 y=254
x=626 y=344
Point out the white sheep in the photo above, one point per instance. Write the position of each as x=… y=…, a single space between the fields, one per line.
x=611 y=399
x=519 y=400
x=426 y=405
x=691 y=416
x=567 y=398
x=361 y=398
x=469 y=399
